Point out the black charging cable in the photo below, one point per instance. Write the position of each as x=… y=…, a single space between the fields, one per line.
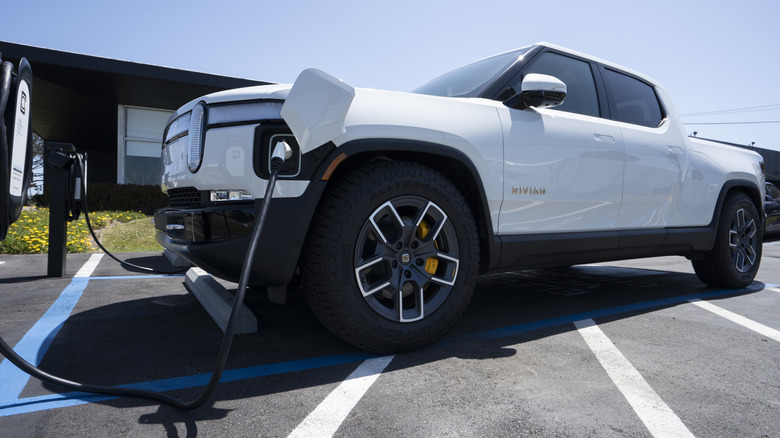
x=282 y=151
x=81 y=163
x=76 y=200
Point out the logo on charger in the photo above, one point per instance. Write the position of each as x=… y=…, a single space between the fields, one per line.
x=23 y=103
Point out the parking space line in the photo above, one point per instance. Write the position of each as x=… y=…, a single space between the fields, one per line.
x=739 y=319
x=659 y=419
x=37 y=340
x=89 y=266
x=774 y=289
x=327 y=417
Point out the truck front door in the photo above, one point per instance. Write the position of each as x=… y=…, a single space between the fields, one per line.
x=563 y=166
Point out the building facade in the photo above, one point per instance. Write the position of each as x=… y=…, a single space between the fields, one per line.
x=114 y=110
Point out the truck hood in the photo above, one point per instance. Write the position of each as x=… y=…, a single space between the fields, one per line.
x=258 y=92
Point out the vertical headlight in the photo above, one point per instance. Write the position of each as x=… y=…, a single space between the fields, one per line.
x=195 y=137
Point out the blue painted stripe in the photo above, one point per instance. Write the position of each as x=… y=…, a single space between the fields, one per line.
x=37 y=340
x=54 y=401
x=34 y=344
x=135 y=277
x=600 y=313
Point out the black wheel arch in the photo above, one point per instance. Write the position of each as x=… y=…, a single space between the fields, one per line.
x=452 y=163
x=730 y=186
x=743 y=185
x=734 y=259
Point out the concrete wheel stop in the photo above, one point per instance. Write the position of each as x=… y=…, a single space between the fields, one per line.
x=218 y=302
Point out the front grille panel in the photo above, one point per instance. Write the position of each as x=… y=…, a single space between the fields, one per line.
x=184 y=197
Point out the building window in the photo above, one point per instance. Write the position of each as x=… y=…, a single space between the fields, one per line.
x=140 y=142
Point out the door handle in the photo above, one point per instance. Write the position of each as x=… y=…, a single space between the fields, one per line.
x=603 y=138
x=677 y=150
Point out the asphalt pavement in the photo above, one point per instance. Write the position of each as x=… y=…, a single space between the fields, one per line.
x=635 y=348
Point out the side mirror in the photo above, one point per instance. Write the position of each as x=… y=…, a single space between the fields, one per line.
x=538 y=91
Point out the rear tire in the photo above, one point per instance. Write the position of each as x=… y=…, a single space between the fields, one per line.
x=734 y=259
x=391 y=258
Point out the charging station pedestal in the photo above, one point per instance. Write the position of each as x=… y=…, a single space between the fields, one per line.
x=59 y=163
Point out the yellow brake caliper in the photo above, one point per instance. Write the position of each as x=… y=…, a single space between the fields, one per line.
x=431 y=264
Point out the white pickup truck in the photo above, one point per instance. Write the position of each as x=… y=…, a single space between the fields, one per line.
x=393 y=203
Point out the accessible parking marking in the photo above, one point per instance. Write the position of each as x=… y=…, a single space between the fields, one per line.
x=659 y=419
x=15 y=406
x=37 y=340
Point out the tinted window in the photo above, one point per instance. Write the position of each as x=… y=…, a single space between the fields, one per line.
x=635 y=101
x=581 y=97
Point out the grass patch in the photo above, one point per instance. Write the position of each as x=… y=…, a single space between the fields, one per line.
x=30 y=233
x=134 y=236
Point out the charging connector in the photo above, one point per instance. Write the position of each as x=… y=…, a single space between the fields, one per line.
x=282 y=151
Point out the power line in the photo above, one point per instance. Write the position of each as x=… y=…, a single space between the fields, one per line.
x=733 y=123
x=735 y=110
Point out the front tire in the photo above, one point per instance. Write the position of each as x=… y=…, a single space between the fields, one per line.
x=734 y=259
x=391 y=258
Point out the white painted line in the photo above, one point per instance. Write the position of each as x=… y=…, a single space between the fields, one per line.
x=659 y=419
x=739 y=319
x=773 y=289
x=326 y=418
x=90 y=266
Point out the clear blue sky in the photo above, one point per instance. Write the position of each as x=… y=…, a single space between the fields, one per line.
x=710 y=55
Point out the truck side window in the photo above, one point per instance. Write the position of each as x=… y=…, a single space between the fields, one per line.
x=635 y=101
x=581 y=97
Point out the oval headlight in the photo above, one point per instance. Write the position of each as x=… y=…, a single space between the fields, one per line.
x=195 y=137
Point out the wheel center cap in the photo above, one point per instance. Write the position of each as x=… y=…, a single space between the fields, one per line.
x=406 y=258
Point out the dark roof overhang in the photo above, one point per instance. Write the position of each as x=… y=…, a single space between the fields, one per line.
x=75 y=97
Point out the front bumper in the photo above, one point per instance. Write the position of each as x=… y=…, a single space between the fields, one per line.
x=215 y=237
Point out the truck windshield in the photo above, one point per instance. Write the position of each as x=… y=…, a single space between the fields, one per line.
x=466 y=80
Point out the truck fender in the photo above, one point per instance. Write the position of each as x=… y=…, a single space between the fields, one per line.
x=435 y=156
